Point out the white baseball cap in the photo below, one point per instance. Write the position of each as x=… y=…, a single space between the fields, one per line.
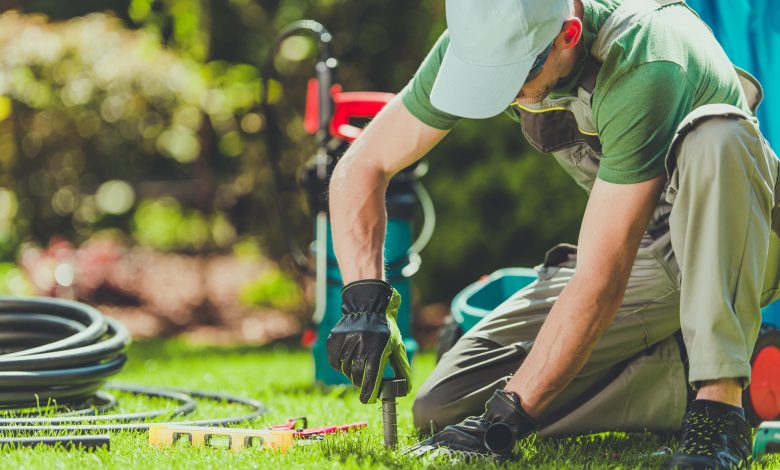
x=493 y=44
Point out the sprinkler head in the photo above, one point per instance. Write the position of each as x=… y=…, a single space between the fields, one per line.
x=391 y=389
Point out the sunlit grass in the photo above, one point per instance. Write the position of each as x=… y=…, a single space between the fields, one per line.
x=281 y=379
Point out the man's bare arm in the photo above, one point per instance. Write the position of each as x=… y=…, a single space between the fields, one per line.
x=615 y=220
x=392 y=141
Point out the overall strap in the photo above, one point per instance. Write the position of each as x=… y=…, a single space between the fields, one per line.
x=589 y=74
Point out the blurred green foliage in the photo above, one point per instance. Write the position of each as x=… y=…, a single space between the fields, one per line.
x=275 y=289
x=164 y=224
x=96 y=116
x=13 y=281
x=144 y=117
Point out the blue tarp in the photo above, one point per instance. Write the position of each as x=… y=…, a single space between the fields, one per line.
x=749 y=31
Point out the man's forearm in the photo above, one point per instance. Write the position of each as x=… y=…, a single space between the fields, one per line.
x=610 y=235
x=564 y=342
x=394 y=140
x=358 y=219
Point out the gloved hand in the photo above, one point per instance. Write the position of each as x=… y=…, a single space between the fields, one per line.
x=367 y=336
x=495 y=433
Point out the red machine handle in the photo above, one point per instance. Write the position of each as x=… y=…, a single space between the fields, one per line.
x=346 y=105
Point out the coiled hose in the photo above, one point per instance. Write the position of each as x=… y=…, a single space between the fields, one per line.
x=55 y=350
x=57 y=354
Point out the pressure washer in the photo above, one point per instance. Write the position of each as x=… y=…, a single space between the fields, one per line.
x=56 y=355
x=329 y=117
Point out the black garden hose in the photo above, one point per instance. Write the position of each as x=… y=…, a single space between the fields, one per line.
x=55 y=355
x=56 y=350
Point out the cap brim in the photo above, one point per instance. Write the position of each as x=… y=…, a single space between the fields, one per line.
x=474 y=91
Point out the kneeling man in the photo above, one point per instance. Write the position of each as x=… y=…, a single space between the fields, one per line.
x=640 y=105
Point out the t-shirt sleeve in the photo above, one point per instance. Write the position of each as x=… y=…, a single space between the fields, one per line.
x=416 y=95
x=637 y=119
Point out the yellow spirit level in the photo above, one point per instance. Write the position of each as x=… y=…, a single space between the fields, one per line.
x=166 y=434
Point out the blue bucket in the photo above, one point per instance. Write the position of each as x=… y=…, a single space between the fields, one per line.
x=771 y=314
x=474 y=302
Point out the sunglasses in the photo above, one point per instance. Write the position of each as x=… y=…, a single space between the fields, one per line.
x=536 y=67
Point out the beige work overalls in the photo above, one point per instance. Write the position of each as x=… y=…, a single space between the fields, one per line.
x=701 y=269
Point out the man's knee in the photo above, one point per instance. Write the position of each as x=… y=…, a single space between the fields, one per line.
x=436 y=406
x=727 y=159
x=718 y=146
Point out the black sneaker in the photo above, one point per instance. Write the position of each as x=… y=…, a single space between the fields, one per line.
x=713 y=439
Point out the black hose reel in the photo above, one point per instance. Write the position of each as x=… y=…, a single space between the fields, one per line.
x=56 y=355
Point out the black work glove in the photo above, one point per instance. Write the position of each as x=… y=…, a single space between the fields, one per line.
x=495 y=433
x=367 y=336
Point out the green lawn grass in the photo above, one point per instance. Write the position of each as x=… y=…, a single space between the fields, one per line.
x=282 y=379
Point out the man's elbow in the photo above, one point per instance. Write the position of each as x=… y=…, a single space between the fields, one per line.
x=350 y=170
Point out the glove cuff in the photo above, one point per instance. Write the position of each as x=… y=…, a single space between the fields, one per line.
x=509 y=422
x=366 y=296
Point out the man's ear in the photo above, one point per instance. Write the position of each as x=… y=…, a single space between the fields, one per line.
x=571 y=33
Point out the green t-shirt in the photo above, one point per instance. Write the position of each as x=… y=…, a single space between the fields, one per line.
x=662 y=68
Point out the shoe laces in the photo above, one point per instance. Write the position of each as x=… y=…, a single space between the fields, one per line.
x=700 y=434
